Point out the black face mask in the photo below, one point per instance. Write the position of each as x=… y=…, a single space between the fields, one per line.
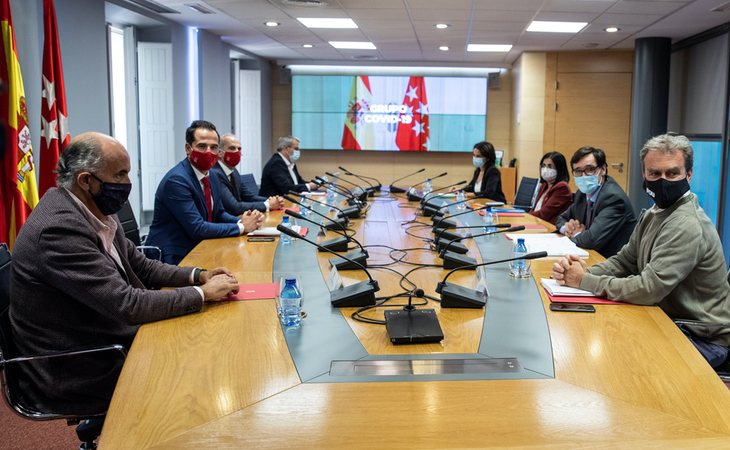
x=111 y=196
x=664 y=192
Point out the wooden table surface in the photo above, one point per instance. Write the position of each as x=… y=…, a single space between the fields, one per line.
x=625 y=377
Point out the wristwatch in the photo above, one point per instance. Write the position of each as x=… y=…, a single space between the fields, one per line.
x=196 y=275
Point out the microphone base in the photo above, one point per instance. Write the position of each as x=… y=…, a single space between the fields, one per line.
x=352 y=212
x=338 y=244
x=413 y=197
x=342 y=264
x=456 y=247
x=358 y=294
x=396 y=190
x=446 y=223
x=455 y=296
x=418 y=326
x=338 y=224
x=454 y=260
x=429 y=211
x=443 y=234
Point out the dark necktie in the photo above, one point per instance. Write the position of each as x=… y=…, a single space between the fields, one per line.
x=589 y=214
x=236 y=189
x=208 y=196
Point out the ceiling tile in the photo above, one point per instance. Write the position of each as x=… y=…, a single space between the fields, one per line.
x=633 y=7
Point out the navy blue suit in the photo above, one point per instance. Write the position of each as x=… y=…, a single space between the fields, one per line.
x=180 y=220
x=236 y=198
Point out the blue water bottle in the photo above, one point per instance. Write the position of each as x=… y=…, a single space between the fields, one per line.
x=427 y=187
x=489 y=221
x=290 y=303
x=330 y=200
x=284 y=238
x=519 y=268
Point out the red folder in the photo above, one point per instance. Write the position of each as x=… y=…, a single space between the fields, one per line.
x=588 y=299
x=255 y=291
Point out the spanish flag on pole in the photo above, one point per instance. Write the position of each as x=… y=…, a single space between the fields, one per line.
x=357 y=133
x=17 y=183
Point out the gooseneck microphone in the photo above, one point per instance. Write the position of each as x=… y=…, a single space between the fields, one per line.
x=358 y=294
x=339 y=245
x=341 y=213
x=374 y=187
x=455 y=296
x=333 y=187
x=443 y=222
x=432 y=195
x=456 y=246
x=444 y=233
x=359 y=192
x=395 y=189
x=341 y=222
x=351 y=200
x=411 y=193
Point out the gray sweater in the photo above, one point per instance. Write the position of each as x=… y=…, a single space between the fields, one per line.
x=673 y=259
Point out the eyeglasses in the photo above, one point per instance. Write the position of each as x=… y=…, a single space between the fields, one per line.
x=587 y=170
x=203 y=147
x=295 y=148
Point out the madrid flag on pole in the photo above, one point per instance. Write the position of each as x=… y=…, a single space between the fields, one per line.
x=17 y=183
x=357 y=133
x=415 y=136
x=54 y=115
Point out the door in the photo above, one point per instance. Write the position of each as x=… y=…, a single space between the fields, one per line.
x=157 y=152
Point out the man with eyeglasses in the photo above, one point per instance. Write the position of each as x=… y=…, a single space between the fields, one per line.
x=188 y=206
x=237 y=199
x=601 y=217
x=280 y=174
x=674 y=258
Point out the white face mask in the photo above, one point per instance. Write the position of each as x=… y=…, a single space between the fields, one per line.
x=548 y=173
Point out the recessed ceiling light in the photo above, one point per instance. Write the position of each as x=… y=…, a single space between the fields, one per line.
x=271 y=23
x=307 y=45
x=442 y=26
x=556 y=27
x=488 y=48
x=444 y=48
x=612 y=29
x=311 y=22
x=357 y=45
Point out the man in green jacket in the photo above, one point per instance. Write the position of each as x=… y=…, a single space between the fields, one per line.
x=674 y=257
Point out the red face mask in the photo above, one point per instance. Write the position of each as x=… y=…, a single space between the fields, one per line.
x=232 y=158
x=203 y=161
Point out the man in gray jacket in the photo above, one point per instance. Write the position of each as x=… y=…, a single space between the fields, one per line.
x=674 y=257
x=77 y=282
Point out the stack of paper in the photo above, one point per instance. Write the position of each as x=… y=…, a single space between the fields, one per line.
x=554 y=288
x=553 y=244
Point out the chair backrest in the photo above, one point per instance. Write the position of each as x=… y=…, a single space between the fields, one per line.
x=250 y=183
x=129 y=223
x=526 y=192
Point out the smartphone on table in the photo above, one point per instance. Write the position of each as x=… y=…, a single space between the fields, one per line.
x=572 y=307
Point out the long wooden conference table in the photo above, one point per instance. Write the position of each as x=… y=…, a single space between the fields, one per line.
x=231 y=377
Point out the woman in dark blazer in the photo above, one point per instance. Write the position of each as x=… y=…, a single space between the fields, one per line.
x=554 y=195
x=486 y=182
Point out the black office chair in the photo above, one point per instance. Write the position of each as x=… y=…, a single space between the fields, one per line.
x=88 y=426
x=526 y=192
x=249 y=182
x=131 y=231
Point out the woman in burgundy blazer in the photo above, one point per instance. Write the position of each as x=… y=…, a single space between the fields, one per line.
x=554 y=195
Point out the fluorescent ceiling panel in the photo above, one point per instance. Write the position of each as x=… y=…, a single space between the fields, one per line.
x=488 y=48
x=556 y=27
x=353 y=45
x=324 y=22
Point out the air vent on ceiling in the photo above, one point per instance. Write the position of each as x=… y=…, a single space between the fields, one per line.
x=365 y=57
x=200 y=8
x=154 y=6
x=308 y=3
x=721 y=8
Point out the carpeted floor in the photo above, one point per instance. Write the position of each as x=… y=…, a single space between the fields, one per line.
x=19 y=433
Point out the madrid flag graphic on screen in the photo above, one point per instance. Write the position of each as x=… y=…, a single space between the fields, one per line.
x=388 y=113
